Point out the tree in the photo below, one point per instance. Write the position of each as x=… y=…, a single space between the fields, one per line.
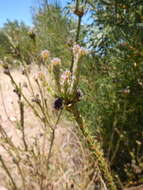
x=53 y=29
x=116 y=91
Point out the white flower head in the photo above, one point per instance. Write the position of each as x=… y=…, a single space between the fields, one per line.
x=65 y=77
x=77 y=50
x=56 y=61
x=45 y=54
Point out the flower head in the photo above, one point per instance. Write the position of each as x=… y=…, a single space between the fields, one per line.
x=56 y=61
x=77 y=50
x=39 y=76
x=65 y=81
x=66 y=76
x=45 y=54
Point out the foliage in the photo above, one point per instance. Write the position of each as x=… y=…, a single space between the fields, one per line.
x=20 y=46
x=53 y=29
x=113 y=84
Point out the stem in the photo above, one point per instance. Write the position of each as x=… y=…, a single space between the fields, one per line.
x=95 y=148
x=8 y=172
x=8 y=139
x=21 y=107
x=77 y=117
x=77 y=33
x=30 y=85
x=8 y=150
x=28 y=102
x=22 y=176
x=51 y=146
x=115 y=151
x=78 y=28
x=52 y=138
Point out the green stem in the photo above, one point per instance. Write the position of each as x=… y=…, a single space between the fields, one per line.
x=95 y=147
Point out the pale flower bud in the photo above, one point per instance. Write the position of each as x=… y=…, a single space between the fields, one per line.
x=80 y=51
x=65 y=76
x=76 y=49
x=56 y=61
x=65 y=82
x=41 y=76
x=45 y=54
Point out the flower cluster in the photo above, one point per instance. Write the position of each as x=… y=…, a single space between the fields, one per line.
x=65 y=81
x=66 y=84
x=65 y=77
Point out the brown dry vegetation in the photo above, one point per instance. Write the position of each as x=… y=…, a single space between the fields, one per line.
x=69 y=165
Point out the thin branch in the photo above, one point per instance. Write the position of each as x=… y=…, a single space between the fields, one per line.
x=53 y=137
x=8 y=173
x=21 y=107
x=77 y=32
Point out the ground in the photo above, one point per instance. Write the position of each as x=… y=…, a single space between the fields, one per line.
x=69 y=166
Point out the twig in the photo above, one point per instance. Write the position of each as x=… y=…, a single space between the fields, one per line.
x=16 y=162
x=21 y=107
x=8 y=173
x=27 y=76
x=78 y=28
x=53 y=137
x=4 y=106
x=24 y=97
x=77 y=32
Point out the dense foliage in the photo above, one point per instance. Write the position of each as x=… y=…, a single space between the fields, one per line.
x=114 y=83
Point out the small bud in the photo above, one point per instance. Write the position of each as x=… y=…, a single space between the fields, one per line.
x=79 y=11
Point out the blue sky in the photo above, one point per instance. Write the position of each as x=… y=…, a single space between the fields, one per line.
x=16 y=9
x=19 y=10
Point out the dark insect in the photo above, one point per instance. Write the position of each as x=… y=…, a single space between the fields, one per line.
x=58 y=103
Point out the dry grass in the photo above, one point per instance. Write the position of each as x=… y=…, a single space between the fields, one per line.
x=69 y=166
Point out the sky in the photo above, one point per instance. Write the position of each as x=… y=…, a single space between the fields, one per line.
x=16 y=9
x=20 y=10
